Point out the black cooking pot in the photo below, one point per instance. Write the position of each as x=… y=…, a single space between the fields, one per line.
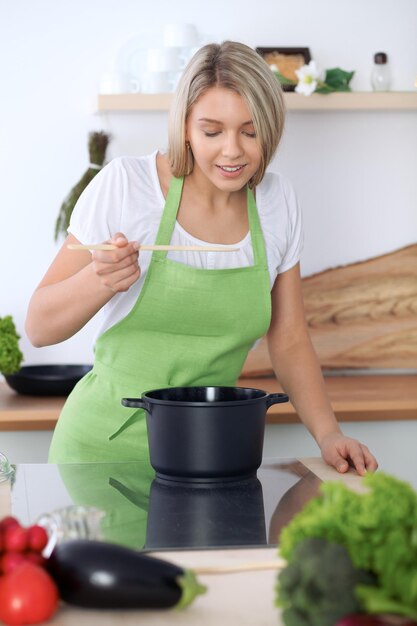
x=205 y=434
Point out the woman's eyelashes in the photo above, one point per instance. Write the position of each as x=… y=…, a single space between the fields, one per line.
x=216 y=133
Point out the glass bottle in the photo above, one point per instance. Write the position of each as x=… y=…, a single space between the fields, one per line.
x=380 y=76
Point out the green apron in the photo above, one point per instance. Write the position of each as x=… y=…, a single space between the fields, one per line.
x=188 y=327
x=119 y=490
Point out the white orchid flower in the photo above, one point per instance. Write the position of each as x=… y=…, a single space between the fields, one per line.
x=308 y=78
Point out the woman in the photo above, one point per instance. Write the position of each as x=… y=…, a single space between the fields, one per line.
x=188 y=318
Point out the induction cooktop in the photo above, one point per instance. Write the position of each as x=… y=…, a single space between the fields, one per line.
x=138 y=510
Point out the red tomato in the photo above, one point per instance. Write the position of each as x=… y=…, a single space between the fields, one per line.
x=10 y=560
x=8 y=522
x=35 y=557
x=15 y=539
x=37 y=538
x=28 y=595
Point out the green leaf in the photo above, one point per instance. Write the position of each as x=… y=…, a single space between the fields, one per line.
x=337 y=78
x=324 y=88
x=284 y=80
x=377 y=600
x=328 y=89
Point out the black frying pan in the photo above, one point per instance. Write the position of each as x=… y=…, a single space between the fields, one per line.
x=46 y=380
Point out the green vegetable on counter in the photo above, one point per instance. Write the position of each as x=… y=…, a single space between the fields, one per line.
x=379 y=531
x=10 y=356
x=318 y=586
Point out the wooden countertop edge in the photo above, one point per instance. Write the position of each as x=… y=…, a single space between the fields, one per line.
x=28 y=420
x=354 y=415
x=354 y=399
x=22 y=420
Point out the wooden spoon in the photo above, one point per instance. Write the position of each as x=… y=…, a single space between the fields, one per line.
x=110 y=246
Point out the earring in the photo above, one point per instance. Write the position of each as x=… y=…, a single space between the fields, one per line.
x=187 y=145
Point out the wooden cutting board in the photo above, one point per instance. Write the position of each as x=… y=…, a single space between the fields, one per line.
x=362 y=315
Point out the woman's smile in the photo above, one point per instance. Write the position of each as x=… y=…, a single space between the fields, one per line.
x=231 y=171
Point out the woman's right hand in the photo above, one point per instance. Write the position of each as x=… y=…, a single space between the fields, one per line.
x=117 y=269
x=76 y=286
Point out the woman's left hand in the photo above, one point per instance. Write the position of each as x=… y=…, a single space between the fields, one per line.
x=342 y=452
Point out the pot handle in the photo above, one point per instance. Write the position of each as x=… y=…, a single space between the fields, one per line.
x=276 y=398
x=136 y=403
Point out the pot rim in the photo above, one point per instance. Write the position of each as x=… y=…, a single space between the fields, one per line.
x=205 y=404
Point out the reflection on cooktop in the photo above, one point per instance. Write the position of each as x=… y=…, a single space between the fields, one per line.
x=184 y=516
x=145 y=512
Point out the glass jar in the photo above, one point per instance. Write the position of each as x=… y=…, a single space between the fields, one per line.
x=380 y=75
x=6 y=470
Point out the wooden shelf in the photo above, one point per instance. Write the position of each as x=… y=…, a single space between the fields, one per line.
x=354 y=399
x=134 y=102
x=353 y=101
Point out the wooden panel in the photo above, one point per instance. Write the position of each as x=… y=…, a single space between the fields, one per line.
x=362 y=315
x=365 y=314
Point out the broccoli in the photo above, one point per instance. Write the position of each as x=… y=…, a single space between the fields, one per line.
x=318 y=586
x=379 y=531
x=10 y=355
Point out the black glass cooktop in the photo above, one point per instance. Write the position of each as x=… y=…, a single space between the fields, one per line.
x=142 y=512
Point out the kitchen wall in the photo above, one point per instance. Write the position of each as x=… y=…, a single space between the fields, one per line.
x=354 y=171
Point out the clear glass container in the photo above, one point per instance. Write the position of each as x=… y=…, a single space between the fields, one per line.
x=6 y=470
x=71 y=522
x=381 y=75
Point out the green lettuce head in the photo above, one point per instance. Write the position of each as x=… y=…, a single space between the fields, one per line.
x=10 y=355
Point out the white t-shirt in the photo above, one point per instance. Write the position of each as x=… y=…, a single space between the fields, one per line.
x=126 y=197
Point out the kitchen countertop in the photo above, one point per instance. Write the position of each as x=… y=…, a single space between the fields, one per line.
x=354 y=398
x=238 y=599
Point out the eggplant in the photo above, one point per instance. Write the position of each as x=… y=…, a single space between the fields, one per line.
x=100 y=575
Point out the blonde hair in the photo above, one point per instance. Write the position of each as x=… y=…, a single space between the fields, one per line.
x=235 y=66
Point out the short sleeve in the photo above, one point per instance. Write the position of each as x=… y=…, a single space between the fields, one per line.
x=294 y=230
x=97 y=214
x=281 y=222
